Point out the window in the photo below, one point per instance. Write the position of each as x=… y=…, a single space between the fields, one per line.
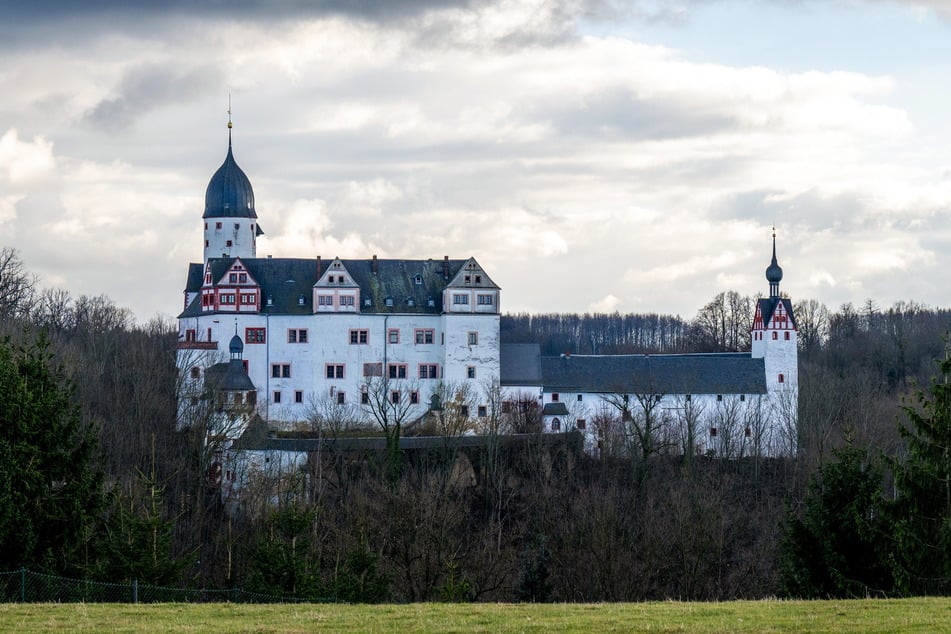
x=217 y=225
x=364 y=397
x=388 y=301
x=341 y=398
x=687 y=398
x=418 y=280
x=297 y=335
x=473 y=338
x=554 y=397
x=579 y=399
x=460 y=300
x=775 y=336
x=484 y=300
x=426 y=335
x=335 y=370
x=782 y=378
x=581 y=423
x=468 y=279
x=748 y=432
x=396 y=370
x=232 y=278
x=470 y=372
x=713 y=432
x=555 y=424
x=414 y=397
x=742 y=397
x=395 y=397
x=786 y=336
x=277 y=397
x=248 y=298
x=393 y=335
x=281 y=370
x=237 y=226
x=372 y=369
x=464 y=411
x=346 y=300
x=483 y=411
x=719 y=397
x=298 y=396
x=190 y=334
x=244 y=364
x=243 y=278
x=195 y=373
x=506 y=407
x=254 y=335
x=428 y=371
x=325 y=300
x=228 y=243
x=206 y=244
x=478 y=279
x=359 y=336
x=227 y=298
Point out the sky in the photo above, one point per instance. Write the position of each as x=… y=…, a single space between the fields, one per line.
x=592 y=156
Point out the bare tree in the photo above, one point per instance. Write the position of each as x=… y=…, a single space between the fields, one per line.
x=17 y=285
x=689 y=416
x=391 y=404
x=646 y=421
x=812 y=321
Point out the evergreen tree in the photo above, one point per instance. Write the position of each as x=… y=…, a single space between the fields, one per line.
x=922 y=510
x=50 y=488
x=283 y=562
x=838 y=547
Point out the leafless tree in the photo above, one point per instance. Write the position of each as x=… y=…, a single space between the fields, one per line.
x=391 y=404
x=17 y=285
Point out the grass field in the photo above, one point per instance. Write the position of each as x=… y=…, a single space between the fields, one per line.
x=840 y=617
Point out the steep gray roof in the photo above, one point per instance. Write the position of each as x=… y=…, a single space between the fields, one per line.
x=767 y=306
x=228 y=376
x=285 y=280
x=726 y=373
x=229 y=193
x=555 y=409
x=520 y=364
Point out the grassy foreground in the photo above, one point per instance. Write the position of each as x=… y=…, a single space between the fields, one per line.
x=841 y=617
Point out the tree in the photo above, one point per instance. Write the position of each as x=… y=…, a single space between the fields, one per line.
x=838 y=547
x=922 y=510
x=50 y=486
x=17 y=286
x=392 y=404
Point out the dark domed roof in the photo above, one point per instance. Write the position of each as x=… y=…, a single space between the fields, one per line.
x=229 y=193
x=236 y=346
x=774 y=272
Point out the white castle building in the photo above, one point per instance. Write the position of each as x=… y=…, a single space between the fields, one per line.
x=350 y=335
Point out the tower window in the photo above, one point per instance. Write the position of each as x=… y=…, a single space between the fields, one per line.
x=786 y=336
x=782 y=378
x=775 y=336
x=228 y=243
x=470 y=372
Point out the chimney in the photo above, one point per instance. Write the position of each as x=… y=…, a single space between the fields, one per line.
x=318 y=267
x=375 y=265
x=445 y=267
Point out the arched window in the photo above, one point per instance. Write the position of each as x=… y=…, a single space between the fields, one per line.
x=555 y=424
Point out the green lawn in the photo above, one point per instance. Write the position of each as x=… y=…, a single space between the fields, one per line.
x=839 y=617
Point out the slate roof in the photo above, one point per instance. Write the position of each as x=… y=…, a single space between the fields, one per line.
x=555 y=409
x=726 y=373
x=229 y=376
x=520 y=364
x=767 y=306
x=229 y=193
x=284 y=280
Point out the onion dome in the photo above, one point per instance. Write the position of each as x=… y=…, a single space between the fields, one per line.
x=236 y=347
x=229 y=193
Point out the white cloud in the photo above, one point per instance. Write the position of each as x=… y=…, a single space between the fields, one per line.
x=21 y=161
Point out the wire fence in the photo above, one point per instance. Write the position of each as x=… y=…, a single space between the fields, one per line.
x=24 y=586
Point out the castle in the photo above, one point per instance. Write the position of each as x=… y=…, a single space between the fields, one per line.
x=375 y=340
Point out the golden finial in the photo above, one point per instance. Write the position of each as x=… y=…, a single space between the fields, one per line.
x=229 y=110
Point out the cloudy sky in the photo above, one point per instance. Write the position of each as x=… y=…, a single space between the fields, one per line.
x=591 y=155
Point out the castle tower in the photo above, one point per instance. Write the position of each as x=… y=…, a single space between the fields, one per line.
x=231 y=227
x=775 y=340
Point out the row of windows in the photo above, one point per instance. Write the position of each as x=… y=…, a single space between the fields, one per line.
x=758 y=336
x=393 y=370
x=229 y=299
x=328 y=300
x=237 y=226
x=421 y=336
x=460 y=299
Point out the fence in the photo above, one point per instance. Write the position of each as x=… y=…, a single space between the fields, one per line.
x=24 y=586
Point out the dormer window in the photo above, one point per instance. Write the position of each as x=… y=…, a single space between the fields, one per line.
x=431 y=302
x=301 y=300
x=367 y=302
x=418 y=280
x=389 y=301
x=270 y=300
x=410 y=301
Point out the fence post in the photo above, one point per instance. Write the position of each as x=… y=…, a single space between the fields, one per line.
x=135 y=591
x=22 y=585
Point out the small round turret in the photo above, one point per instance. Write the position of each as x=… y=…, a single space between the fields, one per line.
x=236 y=347
x=774 y=272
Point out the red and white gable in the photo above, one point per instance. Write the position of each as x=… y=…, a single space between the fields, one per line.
x=235 y=291
x=335 y=290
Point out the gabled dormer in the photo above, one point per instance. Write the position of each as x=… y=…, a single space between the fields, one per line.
x=471 y=291
x=335 y=290
x=231 y=289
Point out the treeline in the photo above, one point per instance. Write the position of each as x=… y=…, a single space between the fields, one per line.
x=540 y=522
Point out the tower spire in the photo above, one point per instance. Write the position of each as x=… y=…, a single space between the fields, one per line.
x=229 y=121
x=774 y=273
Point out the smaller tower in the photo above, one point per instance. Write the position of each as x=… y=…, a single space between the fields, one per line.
x=231 y=227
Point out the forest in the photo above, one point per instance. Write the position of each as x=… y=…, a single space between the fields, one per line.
x=97 y=482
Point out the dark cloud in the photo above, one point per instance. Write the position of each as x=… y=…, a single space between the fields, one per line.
x=147 y=88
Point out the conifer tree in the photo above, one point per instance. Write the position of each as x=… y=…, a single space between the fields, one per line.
x=922 y=509
x=50 y=488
